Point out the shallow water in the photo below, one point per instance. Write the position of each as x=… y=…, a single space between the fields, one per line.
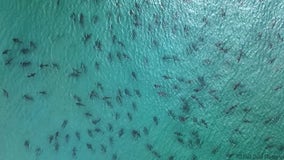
x=149 y=79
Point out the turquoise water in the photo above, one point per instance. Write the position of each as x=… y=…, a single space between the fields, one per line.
x=141 y=80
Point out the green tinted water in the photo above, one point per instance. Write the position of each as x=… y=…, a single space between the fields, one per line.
x=210 y=72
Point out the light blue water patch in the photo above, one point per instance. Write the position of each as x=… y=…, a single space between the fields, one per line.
x=124 y=80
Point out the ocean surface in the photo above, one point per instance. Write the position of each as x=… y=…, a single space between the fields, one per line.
x=141 y=79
